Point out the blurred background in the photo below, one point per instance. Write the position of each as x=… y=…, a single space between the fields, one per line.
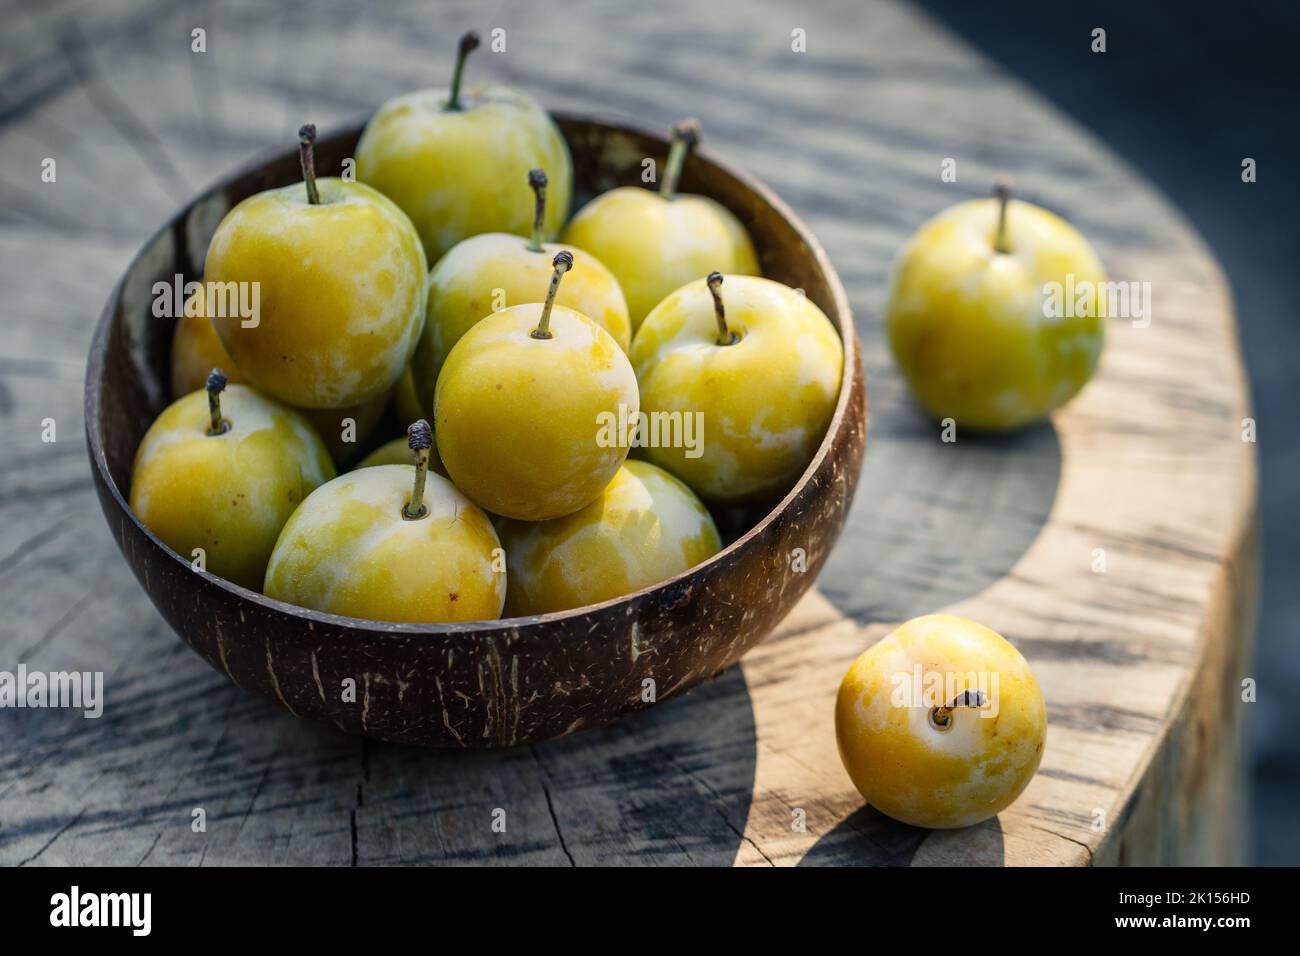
x=1184 y=92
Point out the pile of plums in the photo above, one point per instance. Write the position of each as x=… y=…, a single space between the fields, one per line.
x=539 y=365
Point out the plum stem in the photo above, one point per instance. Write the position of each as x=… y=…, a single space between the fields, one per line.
x=563 y=262
x=216 y=384
x=686 y=136
x=725 y=335
x=1002 y=193
x=941 y=717
x=468 y=43
x=537 y=180
x=420 y=439
x=307 y=155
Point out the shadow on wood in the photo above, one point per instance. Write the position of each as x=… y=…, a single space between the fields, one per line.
x=869 y=838
x=940 y=521
x=669 y=785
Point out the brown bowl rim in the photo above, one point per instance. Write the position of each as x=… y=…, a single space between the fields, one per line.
x=93 y=399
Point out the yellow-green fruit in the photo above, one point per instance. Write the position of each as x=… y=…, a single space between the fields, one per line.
x=348 y=550
x=751 y=414
x=977 y=333
x=645 y=527
x=229 y=494
x=519 y=419
x=196 y=350
x=654 y=245
x=921 y=765
x=406 y=403
x=458 y=173
x=340 y=292
x=345 y=430
x=487 y=273
x=398 y=452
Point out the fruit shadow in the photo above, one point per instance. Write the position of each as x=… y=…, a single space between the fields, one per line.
x=936 y=522
x=933 y=523
x=869 y=838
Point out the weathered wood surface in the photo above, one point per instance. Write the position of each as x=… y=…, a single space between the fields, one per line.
x=1141 y=664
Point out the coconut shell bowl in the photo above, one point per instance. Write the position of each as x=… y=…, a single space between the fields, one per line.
x=491 y=683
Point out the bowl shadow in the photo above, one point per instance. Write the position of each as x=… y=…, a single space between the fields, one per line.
x=671 y=785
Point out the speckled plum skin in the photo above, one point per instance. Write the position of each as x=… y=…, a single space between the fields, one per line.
x=495 y=271
x=341 y=292
x=645 y=527
x=912 y=771
x=229 y=494
x=461 y=172
x=348 y=550
x=197 y=350
x=518 y=419
x=966 y=323
x=766 y=399
x=654 y=245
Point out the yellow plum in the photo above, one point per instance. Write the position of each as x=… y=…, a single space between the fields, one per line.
x=493 y=271
x=196 y=350
x=645 y=527
x=456 y=162
x=940 y=724
x=520 y=404
x=222 y=473
x=391 y=543
x=973 y=325
x=760 y=373
x=657 y=242
x=340 y=273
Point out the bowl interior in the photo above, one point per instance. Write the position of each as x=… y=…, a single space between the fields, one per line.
x=133 y=374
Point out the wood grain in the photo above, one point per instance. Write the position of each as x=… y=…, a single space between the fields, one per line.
x=1141 y=665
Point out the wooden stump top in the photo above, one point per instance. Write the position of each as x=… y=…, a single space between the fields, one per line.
x=1146 y=476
